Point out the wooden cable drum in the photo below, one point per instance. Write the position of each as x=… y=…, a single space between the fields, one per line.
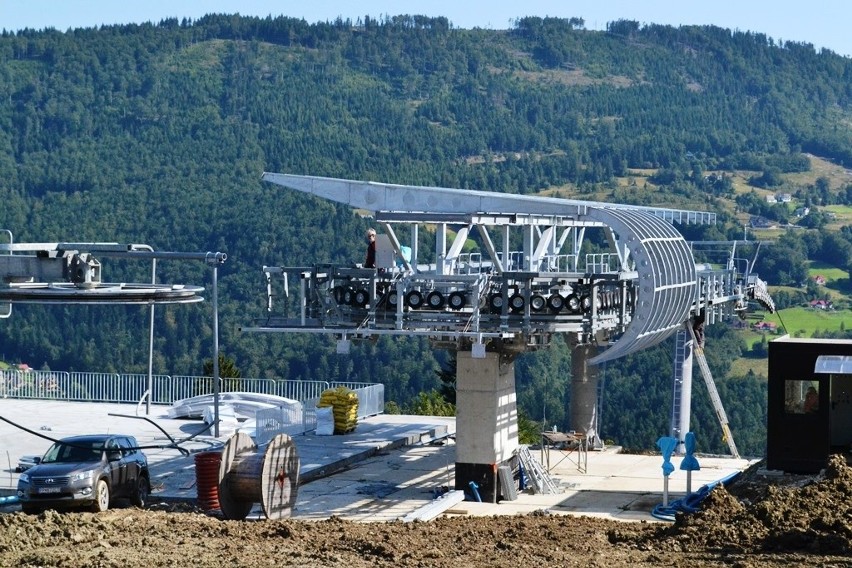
x=247 y=476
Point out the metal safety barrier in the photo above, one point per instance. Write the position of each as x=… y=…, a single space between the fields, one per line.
x=131 y=388
x=271 y=422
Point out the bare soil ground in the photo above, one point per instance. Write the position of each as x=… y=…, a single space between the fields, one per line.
x=757 y=521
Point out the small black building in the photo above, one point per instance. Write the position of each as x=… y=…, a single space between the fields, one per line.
x=809 y=413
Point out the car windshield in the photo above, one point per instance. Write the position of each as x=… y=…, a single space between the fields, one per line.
x=82 y=452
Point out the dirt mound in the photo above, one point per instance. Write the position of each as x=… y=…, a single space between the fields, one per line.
x=794 y=514
x=801 y=522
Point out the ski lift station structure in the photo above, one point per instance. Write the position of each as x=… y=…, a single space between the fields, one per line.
x=492 y=306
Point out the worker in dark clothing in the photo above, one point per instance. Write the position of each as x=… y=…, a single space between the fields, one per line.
x=811 y=403
x=698 y=329
x=370 y=262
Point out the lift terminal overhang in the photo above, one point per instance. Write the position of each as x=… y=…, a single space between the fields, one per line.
x=652 y=253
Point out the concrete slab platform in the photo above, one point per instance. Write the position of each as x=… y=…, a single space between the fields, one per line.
x=27 y=427
x=389 y=467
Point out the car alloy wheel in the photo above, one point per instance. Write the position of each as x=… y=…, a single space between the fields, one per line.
x=573 y=303
x=338 y=294
x=391 y=300
x=101 y=496
x=362 y=298
x=495 y=302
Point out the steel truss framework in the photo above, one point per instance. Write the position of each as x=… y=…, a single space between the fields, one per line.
x=626 y=299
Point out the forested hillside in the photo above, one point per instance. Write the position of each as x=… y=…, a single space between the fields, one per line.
x=158 y=134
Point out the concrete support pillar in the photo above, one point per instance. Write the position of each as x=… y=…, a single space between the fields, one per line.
x=584 y=393
x=486 y=420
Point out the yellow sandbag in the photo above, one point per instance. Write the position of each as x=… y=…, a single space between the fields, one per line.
x=344 y=403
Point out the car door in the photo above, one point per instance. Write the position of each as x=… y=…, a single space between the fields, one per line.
x=117 y=467
x=129 y=464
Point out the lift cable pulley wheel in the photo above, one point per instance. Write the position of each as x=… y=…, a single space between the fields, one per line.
x=71 y=273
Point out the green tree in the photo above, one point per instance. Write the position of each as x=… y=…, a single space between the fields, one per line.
x=529 y=431
x=760 y=348
x=227 y=368
x=784 y=263
x=430 y=404
x=447 y=374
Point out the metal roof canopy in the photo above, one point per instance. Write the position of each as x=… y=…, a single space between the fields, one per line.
x=833 y=364
x=647 y=244
x=427 y=200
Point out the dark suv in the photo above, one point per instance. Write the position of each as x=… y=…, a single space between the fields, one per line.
x=86 y=471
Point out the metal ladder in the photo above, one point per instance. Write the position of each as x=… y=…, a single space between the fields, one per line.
x=714 y=394
x=542 y=483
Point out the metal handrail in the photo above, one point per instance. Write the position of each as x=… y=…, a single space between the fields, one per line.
x=130 y=388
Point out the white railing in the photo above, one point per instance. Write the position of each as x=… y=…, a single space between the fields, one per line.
x=86 y=387
x=601 y=262
x=132 y=387
x=473 y=263
x=371 y=398
x=269 y=423
x=165 y=389
x=283 y=420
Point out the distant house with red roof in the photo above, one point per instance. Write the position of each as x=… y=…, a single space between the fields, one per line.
x=764 y=326
x=821 y=304
x=819 y=279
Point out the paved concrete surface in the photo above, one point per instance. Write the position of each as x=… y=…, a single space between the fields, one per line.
x=389 y=467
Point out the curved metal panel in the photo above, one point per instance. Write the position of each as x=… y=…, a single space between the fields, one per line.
x=666 y=283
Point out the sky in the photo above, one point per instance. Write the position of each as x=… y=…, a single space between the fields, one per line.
x=823 y=23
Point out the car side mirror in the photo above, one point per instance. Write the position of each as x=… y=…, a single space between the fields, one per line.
x=36 y=460
x=113 y=455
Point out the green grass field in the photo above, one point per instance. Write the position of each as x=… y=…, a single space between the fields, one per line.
x=842 y=214
x=799 y=321
x=831 y=273
x=740 y=367
x=804 y=322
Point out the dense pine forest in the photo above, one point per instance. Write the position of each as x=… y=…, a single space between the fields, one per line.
x=158 y=134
